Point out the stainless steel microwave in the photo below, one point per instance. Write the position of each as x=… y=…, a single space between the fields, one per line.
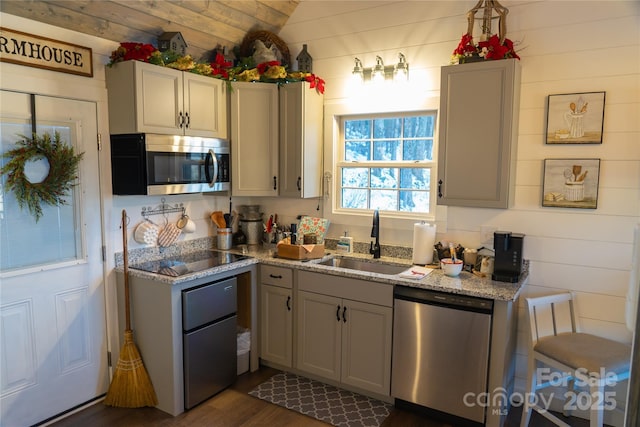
x=150 y=164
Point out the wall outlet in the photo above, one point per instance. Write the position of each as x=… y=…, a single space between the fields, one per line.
x=486 y=234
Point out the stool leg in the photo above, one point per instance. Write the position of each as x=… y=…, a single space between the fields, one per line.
x=528 y=398
x=572 y=392
x=596 y=415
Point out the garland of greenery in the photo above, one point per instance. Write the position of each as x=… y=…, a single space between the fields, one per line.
x=63 y=167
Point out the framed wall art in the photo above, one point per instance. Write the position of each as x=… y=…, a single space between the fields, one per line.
x=575 y=118
x=571 y=183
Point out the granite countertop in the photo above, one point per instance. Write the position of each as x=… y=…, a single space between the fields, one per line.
x=465 y=284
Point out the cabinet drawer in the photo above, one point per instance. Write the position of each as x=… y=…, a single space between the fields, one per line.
x=277 y=276
x=346 y=287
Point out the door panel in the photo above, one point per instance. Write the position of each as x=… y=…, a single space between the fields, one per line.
x=366 y=346
x=319 y=334
x=52 y=305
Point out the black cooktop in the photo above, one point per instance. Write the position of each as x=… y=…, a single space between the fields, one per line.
x=193 y=262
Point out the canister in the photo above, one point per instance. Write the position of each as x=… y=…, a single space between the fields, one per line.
x=252 y=228
x=224 y=238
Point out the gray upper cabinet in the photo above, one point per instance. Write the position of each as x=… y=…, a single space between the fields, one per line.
x=149 y=98
x=300 y=141
x=254 y=139
x=479 y=106
x=276 y=140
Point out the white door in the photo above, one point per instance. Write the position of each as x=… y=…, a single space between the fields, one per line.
x=53 y=348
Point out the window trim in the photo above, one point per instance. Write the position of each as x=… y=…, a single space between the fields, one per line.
x=350 y=217
x=397 y=164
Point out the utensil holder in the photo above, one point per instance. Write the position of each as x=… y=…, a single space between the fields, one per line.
x=224 y=238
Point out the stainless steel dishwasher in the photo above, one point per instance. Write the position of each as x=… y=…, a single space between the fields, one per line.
x=209 y=324
x=440 y=353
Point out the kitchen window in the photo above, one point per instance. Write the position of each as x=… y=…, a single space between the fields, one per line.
x=386 y=162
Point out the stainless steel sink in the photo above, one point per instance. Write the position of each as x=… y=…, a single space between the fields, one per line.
x=364 y=265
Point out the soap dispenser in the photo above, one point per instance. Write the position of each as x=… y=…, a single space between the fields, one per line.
x=345 y=243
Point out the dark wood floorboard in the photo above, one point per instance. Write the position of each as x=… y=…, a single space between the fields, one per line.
x=235 y=408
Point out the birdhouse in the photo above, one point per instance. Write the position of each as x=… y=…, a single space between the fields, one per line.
x=172 y=41
x=305 y=62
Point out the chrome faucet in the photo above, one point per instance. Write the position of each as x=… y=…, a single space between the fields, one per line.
x=375 y=232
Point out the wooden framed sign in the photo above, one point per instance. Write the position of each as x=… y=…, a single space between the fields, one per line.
x=21 y=48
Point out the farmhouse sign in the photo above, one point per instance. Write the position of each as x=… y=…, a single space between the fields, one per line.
x=41 y=52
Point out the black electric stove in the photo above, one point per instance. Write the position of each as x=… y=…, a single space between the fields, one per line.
x=193 y=262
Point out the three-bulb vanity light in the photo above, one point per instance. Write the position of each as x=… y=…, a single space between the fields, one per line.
x=379 y=72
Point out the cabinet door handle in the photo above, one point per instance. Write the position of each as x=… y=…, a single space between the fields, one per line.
x=344 y=314
x=289 y=303
x=180 y=120
x=338 y=313
x=299 y=183
x=440 y=188
x=275 y=181
x=187 y=120
x=273 y=276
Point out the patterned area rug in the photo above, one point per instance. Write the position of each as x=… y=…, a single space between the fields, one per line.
x=322 y=402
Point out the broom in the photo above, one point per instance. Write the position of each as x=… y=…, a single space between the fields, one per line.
x=131 y=386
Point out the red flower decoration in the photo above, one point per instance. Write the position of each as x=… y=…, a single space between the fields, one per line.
x=265 y=66
x=130 y=50
x=489 y=49
x=315 y=82
x=219 y=66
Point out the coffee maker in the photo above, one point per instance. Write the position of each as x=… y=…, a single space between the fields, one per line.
x=507 y=266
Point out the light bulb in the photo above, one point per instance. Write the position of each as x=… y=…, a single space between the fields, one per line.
x=401 y=70
x=377 y=73
x=358 y=72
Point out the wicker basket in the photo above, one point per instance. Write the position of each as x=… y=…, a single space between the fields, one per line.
x=268 y=38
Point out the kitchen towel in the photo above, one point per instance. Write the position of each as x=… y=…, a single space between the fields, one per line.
x=311 y=225
x=424 y=237
x=416 y=272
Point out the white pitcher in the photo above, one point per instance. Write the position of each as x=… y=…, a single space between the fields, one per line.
x=574 y=122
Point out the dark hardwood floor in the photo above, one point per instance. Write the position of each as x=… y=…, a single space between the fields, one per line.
x=234 y=407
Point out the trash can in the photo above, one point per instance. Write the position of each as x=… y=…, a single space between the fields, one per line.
x=244 y=347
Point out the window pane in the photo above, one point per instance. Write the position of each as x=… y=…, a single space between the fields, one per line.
x=417 y=178
x=355 y=177
x=386 y=150
x=386 y=200
x=414 y=201
x=357 y=151
x=357 y=129
x=399 y=142
x=56 y=234
x=387 y=128
x=418 y=126
x=384 y=178
x=418 y=149
x=354 y=199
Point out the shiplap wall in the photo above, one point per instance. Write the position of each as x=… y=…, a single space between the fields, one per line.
x=566 y=47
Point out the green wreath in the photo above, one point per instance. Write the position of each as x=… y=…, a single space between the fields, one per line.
x=63 y=167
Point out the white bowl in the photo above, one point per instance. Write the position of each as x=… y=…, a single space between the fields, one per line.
x=449 y=268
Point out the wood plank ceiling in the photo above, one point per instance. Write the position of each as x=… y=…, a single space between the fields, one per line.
x=204 y=24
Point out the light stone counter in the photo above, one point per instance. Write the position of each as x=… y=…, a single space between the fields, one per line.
x=465 y=284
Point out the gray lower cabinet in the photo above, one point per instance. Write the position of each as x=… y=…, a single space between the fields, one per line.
x=276 y=342
x=479 y=106
x=344 y=329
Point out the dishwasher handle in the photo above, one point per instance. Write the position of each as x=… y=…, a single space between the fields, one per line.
x=443 y=299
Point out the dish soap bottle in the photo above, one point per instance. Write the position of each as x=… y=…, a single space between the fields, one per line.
x=345 y=244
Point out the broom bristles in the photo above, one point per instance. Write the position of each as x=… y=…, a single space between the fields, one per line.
x=131 y=386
